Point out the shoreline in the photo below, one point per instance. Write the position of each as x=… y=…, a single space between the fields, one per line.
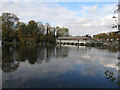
x=62 y=44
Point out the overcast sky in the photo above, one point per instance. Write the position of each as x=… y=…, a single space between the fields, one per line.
x=80 y=17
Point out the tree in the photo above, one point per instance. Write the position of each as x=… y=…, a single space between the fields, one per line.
x=117 y=22
x=87 y=35
x=33 y=29
x=0 y=22
x=0 y=27
x=32 y=26
x=13 y=30
x=101 y=36
x=47 y=37
x=112 y=36
x=41 y=28
x=23 y=33
x=8 y=23
x=62 y=32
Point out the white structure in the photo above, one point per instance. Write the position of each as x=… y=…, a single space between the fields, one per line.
x=75 y=40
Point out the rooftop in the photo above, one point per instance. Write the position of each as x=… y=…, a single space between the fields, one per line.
x=72 y=37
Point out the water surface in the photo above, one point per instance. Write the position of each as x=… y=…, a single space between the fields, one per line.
x=58 y=67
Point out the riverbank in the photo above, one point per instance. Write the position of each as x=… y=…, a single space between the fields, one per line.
x=26 y=43
x=49 y=44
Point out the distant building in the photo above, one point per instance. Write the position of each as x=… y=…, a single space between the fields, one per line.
x=74 y=39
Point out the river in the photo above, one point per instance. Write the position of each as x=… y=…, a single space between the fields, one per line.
x=59 y=67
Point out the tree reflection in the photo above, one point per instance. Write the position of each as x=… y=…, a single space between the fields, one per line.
x=9 y=63
x=62 y=52
x=112 y=49
x=12 y=56
x=50 y=52
x=110 y=76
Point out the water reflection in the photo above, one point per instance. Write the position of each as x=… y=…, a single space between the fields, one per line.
x=110 y=76
x=9 y=62
x=111 y=49
x=0 y=67
x=34 y=66
x=12 y=56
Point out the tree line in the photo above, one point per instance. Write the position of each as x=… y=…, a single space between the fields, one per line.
x=15 y=31
x=108 y=37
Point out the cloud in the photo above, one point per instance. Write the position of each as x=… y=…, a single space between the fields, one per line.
x=89 y=62
x=86 y=20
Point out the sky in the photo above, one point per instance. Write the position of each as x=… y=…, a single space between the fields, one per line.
x=79 y=17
